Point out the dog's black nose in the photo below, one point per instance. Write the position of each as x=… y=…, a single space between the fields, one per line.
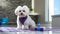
x=21 y=13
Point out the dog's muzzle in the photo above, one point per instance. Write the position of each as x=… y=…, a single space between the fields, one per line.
x=21 y=13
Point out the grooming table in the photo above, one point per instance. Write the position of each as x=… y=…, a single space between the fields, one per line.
x=13 y=30
x=10 y=29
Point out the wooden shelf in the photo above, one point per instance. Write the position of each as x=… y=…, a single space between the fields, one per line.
x=33 y=14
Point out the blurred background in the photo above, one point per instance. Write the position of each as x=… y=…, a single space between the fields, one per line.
x=44 y=12
x=7 y=8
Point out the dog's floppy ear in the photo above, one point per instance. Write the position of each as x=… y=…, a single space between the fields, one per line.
x=26 y=9
x=17 y=9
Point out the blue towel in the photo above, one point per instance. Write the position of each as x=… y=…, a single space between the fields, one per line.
x=4 y=20
x=0 y=21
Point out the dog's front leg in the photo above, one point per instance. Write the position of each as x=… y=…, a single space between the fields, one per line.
x=19 y=26
x=26 y=26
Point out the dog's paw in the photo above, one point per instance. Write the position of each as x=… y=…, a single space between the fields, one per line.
x=18 y=28
x=25 y=29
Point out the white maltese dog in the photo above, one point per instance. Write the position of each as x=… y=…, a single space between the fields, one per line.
x=24 y=21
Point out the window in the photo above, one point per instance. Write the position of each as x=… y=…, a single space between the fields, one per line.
x=52 y=7
x=49 y=10
x=56 y=7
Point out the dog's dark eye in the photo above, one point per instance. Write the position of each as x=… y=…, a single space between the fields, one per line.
x=23 y=10
x=19 y=11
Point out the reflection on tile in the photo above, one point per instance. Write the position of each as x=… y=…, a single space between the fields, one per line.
x=56 y=32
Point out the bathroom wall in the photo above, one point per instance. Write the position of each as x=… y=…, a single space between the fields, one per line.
x=39 y=7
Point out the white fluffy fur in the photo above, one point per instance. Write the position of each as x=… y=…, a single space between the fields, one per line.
x=28 y=21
